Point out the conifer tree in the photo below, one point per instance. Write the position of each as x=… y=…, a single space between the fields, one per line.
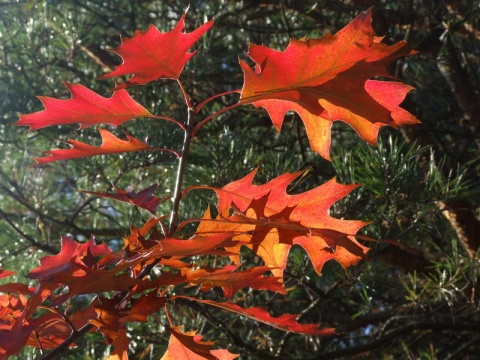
x=419 y=186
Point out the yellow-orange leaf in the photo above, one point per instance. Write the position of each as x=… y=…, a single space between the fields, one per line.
x=189 y=346
x=269 y=221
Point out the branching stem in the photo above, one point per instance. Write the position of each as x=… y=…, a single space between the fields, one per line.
x=207 y=119
x=177 y=194
x=206 y=101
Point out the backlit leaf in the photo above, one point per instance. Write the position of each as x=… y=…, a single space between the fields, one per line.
x=189 y=346
x=330 y=79
x=231 y=281
x=150 y=55
x=270 y=221
x=286 y=322
x=85 y=108
x=143 y=199
x=110 y=145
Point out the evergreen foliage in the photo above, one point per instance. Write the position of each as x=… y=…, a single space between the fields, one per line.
x=419 y=300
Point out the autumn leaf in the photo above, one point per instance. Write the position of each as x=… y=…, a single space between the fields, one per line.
x=6 y=273
x=140 y=308
x=330 y=79
x=189 y=346
x=137 y=242
x=213 y=244
x=85 y=268
x=52 y=264
x=70 y=251
x=150 y=55
x=110 y=145
x=143 y=199
x=11 y=308
x=269 y=221
x=51 y=330
x=285 y=322
x=231 y=281
x=120 y=346
x=16 y=288
x=112 y=316
x=14 y=338
x=85 y=108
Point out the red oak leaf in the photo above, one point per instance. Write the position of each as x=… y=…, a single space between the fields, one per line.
x=286 y=322
x=17 y=288
x=329 y=79
x=189 y=346
x=53 y=264
x=150 y=55
x=143 y=199
x=85 y=108
x=231 y=281
x=213 y=244
x=5 y=273
x=138 y=242
x=270 y=221
x=120 y=346
x=11 y=308
x=142 y=307
x=14 y=338
x=173 y=249
x=84 y=268
x=112 y=316
x=51 y=330
x=110 y=145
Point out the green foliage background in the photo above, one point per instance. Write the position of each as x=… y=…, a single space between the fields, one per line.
x=416 y=301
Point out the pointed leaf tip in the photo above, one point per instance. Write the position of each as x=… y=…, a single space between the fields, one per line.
x=86 y=108
x=110 y=145
x=150 y=55
x=329 y=79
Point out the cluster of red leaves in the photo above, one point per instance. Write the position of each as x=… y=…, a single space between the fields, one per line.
x=323 y=80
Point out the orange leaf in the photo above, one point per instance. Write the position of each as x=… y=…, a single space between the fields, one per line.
x=110 y=145
x=120 y=347
x=81 y=267
x=143 y=199
x=112 y=316
x=150 y=55
x=137 y=241
x=5 y=273
x=197 y=245
x=329 y=79
x=270 y=221
x=231 y=281
x=189 y=346
x=85 y=108
x=286 y=322
x=15 y=337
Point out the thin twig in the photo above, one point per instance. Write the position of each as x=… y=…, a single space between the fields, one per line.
x=204 y=102
x=45 y=247
x=207 y=119
x=177 y=194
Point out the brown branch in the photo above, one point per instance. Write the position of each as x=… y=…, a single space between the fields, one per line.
x=60 y=349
